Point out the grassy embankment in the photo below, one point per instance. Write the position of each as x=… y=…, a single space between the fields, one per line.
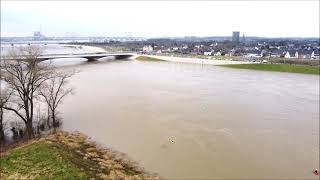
x=292 y=68
x=67 y=156
x=278 y=67
x=198 y=56
x=276 y=60
x=146 y=58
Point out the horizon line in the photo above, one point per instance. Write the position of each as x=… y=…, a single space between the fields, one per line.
x=162 y=37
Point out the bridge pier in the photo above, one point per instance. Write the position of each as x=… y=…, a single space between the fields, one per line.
x=91 y=59
x=122 y=56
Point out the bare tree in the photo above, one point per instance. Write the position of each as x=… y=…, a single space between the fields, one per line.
x=53 y=91
x=24 y=75
x=4 y=99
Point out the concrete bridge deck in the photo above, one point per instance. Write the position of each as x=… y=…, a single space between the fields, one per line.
x=89 y=56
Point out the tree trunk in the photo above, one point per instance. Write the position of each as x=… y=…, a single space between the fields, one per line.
x=54 y=123
x=29 y=129
x=1 y=133
x=31 y=111
x=48 y=119
x=1 y=126
x=28 y=123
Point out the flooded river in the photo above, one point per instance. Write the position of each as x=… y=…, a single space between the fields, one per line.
x=200 y=121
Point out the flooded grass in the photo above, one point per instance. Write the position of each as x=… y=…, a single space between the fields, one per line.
x=67 y=156
x=278 y=68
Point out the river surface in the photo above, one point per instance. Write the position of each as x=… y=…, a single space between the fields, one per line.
x=193 y=121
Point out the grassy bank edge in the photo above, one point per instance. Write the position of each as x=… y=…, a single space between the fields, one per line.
x=147 y=58
x=67 y=156
x=278 y=68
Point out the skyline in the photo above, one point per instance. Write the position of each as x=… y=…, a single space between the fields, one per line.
x=160 y=19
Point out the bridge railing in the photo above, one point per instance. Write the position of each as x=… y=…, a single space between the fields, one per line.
x=93 y=53
x=69 y=55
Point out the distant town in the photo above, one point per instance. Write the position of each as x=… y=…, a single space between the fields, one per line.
x=236 y=45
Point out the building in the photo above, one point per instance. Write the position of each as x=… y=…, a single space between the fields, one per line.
x=235 y=37
x=208 y=53
x=315 y=55
x=37 y=36
x=147 y=49
x=243 y=39
x=291 y=54
x=218 y=53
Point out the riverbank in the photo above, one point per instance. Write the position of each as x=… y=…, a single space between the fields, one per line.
x=146 y=58
x=196 y=60
x=275 y=60
x=68 y=155
x=303 y=69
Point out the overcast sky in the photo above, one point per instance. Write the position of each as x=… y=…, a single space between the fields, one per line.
x=163 y=18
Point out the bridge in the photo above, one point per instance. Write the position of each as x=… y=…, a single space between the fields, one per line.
x=89 y=56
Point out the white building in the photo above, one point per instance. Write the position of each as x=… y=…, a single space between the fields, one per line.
x=209 y=53
x=314 y=55
x=291 y=55
x=147 y=48
x=217 y=53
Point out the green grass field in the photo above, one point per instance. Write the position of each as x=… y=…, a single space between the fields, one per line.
x=146 y=58
x=67 y=156
x=278 y=68
x=41 y=160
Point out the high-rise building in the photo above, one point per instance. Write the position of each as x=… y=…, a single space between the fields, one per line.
x=243 y=39
x=235 y=37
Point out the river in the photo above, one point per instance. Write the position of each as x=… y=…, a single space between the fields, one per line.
x=193 y=121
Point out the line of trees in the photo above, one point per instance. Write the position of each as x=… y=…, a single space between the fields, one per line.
x=25 y=82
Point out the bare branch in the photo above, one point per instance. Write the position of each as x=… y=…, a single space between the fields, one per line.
x=16 y=112
x=53 y=91
x=24 y=74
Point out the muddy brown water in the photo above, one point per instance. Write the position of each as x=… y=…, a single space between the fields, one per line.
x=193 y=121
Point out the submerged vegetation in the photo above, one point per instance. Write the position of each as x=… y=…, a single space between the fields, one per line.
x=67 y=156
x=147 y=58
x=278 y=67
